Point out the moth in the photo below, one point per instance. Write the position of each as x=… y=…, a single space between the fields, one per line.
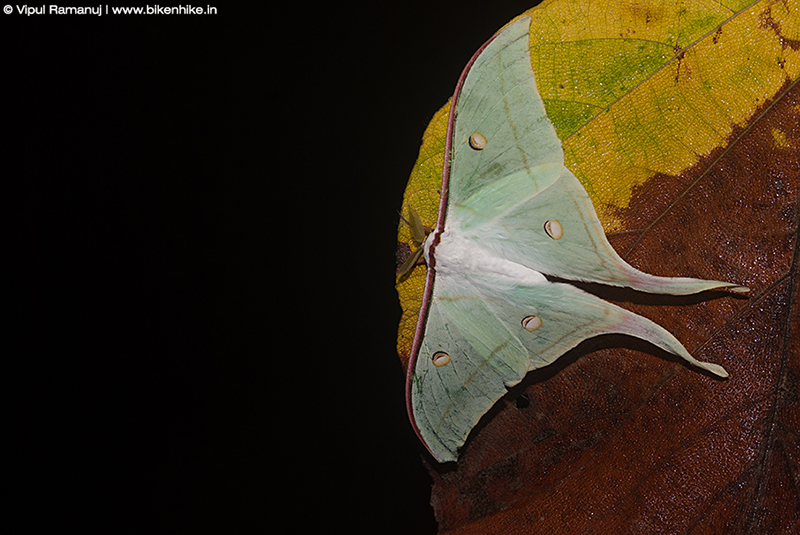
x=511 y=213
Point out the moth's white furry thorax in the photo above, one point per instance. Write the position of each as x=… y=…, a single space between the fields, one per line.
x=457 y=253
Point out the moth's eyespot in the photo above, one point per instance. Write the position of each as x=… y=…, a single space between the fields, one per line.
x=477 y=141
x=531 y=323
x=554 y=229
x=440 y=358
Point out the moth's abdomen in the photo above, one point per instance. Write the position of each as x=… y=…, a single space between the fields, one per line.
x=457 y=253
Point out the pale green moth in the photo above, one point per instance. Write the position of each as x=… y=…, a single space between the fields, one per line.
x=510 y=212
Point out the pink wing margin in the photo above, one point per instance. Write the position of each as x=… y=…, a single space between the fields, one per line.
x=428 y=292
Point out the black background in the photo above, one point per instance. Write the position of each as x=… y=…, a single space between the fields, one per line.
x=202 y=302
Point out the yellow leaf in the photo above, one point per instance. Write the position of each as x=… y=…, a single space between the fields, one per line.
x=635 y=89
x=422 y=193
